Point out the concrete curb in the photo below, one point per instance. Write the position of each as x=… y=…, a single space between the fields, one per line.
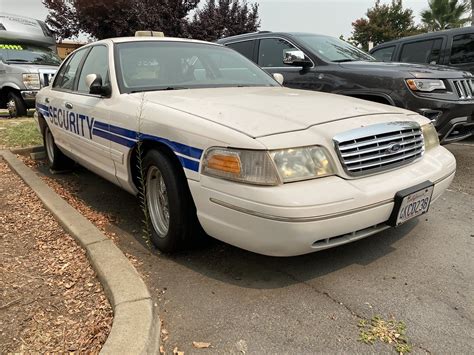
x=136 y=326
x=28 y=150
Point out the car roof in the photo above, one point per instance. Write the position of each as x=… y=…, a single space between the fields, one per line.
x=263 y=34
x=452 y=31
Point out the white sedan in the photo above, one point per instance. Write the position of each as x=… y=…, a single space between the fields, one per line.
x=227 y=149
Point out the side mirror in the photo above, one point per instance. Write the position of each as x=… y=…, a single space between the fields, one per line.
x=94 y=83
x=279 y=78
x=296 y=57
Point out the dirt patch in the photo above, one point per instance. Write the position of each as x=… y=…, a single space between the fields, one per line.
x=50 y=298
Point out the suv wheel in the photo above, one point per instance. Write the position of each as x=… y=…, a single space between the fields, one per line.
x=15 y=105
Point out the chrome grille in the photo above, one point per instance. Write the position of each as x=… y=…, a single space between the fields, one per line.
x=379 y=147
x=464 y=88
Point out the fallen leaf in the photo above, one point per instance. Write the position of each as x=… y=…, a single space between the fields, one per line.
x=201 y=345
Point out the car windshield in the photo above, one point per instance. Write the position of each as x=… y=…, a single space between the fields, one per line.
x=162 y=65
x=25 y=53
x=333 y=49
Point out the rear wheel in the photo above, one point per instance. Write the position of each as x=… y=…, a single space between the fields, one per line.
x=170 y=207
x=56 y=159
x=15 y=105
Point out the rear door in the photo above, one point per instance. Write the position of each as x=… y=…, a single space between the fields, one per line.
x=60 y=124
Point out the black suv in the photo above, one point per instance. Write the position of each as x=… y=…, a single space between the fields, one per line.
x=322 y=63
x=453 y=47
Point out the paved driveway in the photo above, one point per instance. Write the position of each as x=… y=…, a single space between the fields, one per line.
x=421 y=273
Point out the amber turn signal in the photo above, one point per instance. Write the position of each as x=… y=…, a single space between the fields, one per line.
x=226 y=163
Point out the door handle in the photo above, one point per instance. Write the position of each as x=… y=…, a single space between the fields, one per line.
x=68 y=105
x=46 y=100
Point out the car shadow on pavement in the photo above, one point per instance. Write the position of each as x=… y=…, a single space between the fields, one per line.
x=218 y=260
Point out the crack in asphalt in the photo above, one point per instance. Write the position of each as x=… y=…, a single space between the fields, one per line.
x=325 y=293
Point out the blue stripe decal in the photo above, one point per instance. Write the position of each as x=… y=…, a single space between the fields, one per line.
x=42 y=109
x=189 y=164
x=122 y=136
x=113 y=138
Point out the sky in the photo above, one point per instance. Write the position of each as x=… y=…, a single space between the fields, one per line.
x=330 y=17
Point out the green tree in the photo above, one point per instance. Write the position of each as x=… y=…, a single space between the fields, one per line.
x=222 y=18
x=384 y=22
x=443 y=14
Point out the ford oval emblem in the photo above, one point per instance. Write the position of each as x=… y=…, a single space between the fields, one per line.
x=393 y=148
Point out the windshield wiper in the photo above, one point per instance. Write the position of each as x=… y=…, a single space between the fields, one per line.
x=345 y=60
x=19 y=60
x=168 y=88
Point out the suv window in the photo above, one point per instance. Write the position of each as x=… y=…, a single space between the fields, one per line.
x=384 y=54
x=245 y=48
x=463 y=49
x=96 y=63
x=65 y=77
x=270 y=53
x=422 y=51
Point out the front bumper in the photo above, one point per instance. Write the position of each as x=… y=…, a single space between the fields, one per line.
x=29 y=97
x=454 y=120
x=304 y=217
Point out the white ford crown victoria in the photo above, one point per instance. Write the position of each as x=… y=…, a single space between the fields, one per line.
x=266 y=168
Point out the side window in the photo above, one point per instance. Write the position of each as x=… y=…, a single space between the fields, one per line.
x=463 y=49
x=384 y=54
x=422 y=52
x=65 y=77
x=270 y=52
x=97 y=62
x=245 y=48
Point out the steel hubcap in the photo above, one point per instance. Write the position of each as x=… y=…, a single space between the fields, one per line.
x=157 y=201
x=11 y=106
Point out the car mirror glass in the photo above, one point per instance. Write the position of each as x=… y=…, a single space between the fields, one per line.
x=295 y=57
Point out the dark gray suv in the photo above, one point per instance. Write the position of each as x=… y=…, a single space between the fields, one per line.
x=316 y=62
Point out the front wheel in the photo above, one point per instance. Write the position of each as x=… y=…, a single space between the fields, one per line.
x=169 y=203
x=56 y=159
x=15 y=105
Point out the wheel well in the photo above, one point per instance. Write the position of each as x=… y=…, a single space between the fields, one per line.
x=146 y=146
x=374 y=98
x=42 y=123
x=4 y=93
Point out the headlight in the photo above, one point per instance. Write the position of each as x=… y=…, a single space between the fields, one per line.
x=430 y=136
x=302 y=163
x=32 y=81
x=249 y=166
x=426 y=85
x=268 y=168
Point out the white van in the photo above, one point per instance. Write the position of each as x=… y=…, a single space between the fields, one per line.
x=28 y=61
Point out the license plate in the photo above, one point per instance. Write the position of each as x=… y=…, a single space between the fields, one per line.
x=411 y=203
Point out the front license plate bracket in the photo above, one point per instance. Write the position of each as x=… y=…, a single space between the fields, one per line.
x=401 y=195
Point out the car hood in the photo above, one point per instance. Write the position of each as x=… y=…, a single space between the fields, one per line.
x=417 y=70
x=263 y=111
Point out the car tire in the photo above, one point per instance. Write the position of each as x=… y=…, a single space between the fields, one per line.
x=15 y=105
x=172 y=214
x=56 y=159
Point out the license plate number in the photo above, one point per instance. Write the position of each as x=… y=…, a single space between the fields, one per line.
x=414 y=205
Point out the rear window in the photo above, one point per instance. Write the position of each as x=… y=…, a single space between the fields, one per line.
x=245 y=48
x=422 y=51
x=384 y=54
x=463 y=49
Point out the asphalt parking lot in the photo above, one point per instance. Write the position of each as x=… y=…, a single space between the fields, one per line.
x=421 y=273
